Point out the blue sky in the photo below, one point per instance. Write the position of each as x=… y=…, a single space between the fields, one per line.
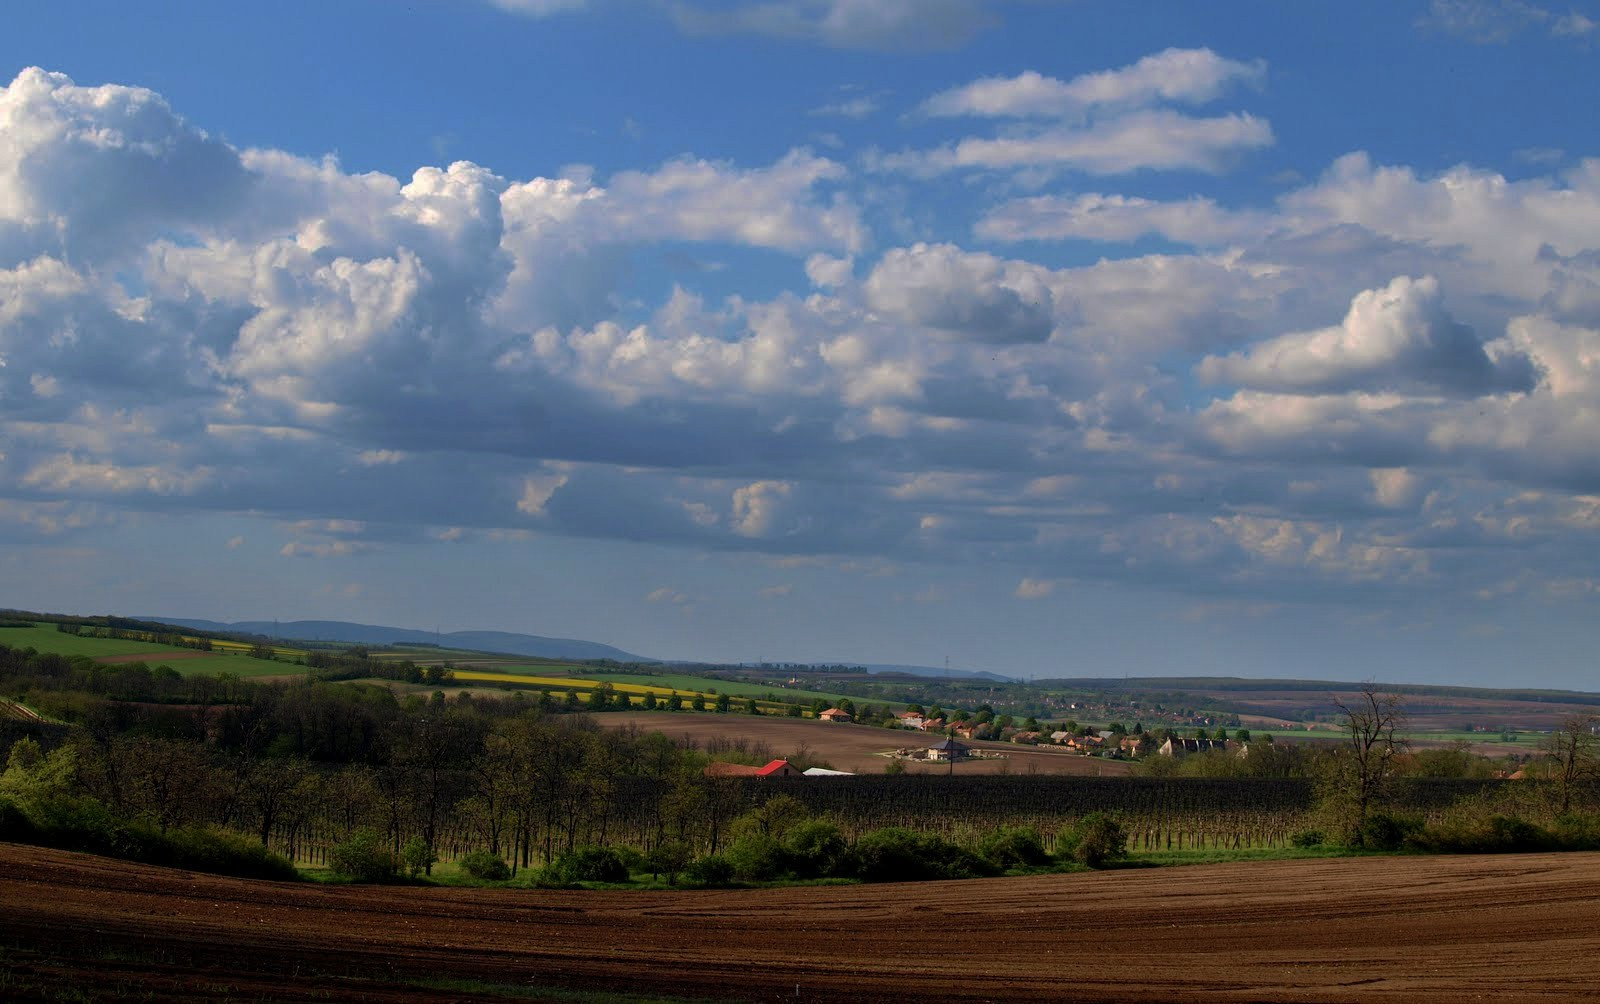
x=1052 y=338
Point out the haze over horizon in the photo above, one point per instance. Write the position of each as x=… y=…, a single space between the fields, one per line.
x=1048 y=338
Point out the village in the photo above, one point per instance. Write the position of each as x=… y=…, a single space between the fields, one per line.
x=944 y=744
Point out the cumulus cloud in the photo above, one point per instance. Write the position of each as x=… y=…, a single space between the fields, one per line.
x=963 y=294
x=1396 y=338
x=463 y=350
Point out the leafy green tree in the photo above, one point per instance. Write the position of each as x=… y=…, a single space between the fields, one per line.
x=724 y=702
x=649 y=700
x=699 y=702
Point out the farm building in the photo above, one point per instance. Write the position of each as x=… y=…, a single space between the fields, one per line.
x=834 y=715
x=948 y=749
x=912 y=720
x=777 y=768
x=825 y=772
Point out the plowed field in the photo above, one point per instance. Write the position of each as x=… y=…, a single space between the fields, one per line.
x=1441 y=929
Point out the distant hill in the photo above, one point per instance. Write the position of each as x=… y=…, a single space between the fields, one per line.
x=372 y=634
x=939 y=671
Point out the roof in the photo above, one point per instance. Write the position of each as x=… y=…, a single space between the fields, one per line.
x=825 y=772
x=949 y=744
x=775 y=767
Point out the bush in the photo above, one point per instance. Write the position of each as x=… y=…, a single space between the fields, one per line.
x=669 y=857
x=1096 y=840
x=484 y=866
x=1576 y=832
x=1383 y=831
x=896 y=854
x=816 y=849
x=1495 y=835
x=758 y=857
x=586 y=864
x=712 y=870
x=1309 y=838
x=1013 y=847
x=417 y=857
x=363 y=858
x=84 y=824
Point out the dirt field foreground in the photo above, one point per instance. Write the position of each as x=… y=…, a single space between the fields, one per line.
x=1434 y=929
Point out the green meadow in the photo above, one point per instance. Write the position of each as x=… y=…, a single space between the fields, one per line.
x=45 y=638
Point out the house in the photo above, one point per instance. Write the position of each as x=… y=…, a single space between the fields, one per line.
x=1060 y=737
x=834 y=715
x=912 y=720
x=933 y=725
x=948 y=749
x=966 y=730
x=779 y=768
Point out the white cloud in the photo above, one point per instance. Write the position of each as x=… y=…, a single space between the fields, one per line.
x=1488 y=22
x=1192 y=76
x=757 y=507
x=1146 y=140
x=537 y=490
x=1094 y=216
x=848 y=24
x=1396 y=338
x=1035 y=589
x=966 y=295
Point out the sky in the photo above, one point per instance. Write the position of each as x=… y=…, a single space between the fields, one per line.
x=1049 y=338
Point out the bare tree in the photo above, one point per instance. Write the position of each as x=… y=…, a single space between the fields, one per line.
x=1366 y=760
x=1573 y=751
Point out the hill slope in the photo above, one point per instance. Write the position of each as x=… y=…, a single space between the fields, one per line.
x=373 y=634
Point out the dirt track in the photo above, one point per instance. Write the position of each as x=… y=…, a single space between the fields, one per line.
x=1442 y=929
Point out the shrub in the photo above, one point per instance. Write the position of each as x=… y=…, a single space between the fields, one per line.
x=363 y=858
x=586 y=864
x=669 y=857
x=484 y=866
x=1096 y=840
x=712 y=870
x=417 y=857
x=1494 y=835
x=758 y=857
x=1309 y=838
x=1013 y=847
x=896 y=854
x=1384 y=831
x=816 y=848
x=1576 y=832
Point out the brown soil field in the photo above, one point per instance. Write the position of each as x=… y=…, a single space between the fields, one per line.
x=856 y=748
x=1427 y=930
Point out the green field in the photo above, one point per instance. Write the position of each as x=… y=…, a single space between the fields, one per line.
x=45 y=638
